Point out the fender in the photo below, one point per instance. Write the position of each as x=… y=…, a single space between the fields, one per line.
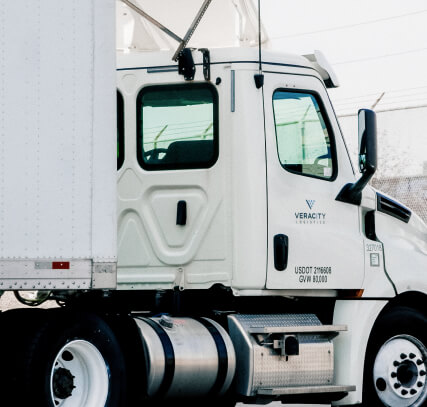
x=405 y=250
x=350 y=346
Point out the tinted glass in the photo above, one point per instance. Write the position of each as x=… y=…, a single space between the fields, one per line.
x=177 y=127
x=303 y=141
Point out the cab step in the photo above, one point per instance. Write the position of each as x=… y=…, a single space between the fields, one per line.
x=284 y=391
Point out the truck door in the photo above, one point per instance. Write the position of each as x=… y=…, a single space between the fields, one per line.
x=171 y=209
x=314 y=241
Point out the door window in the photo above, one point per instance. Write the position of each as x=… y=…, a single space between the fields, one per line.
x=303 y=141
x=177 y=126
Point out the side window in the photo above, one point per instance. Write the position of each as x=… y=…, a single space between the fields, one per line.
x=120 y=131
x=303 y=141
x=177 y=127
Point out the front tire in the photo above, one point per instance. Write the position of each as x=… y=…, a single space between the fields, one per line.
x=396 y=360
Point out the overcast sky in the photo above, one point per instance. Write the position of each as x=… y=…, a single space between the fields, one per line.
x=377 y=48
x=374 y=46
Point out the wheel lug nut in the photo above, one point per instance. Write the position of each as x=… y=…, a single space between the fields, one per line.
x=397 y=385
x=404 y=392
x=396 y=363
x=422 y=373
x=393 y=374
x=419 y=384
x=419 y=362
x=403 y=356
x=413 y=391
x=411 y=356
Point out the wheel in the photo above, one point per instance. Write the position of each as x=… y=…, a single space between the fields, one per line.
x=396 y=360
x=79 y=376
x=66 y=359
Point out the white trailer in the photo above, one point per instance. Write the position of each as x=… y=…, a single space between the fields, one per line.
x=251 y=262
x=58 y=218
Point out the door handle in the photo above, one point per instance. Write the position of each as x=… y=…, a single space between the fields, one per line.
x=181 y=213
x=281 y=249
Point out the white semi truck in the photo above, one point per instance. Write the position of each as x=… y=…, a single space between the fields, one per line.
x=200 y=226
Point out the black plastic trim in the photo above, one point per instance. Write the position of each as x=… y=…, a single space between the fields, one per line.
x=370 y=232
x=120 y=130
x=181 y=213
x=281 y=250
x=395 y=209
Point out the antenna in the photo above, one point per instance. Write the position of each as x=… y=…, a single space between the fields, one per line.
x=259 y=36
x=259 y=77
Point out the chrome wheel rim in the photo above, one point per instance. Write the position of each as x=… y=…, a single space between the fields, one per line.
x=79 y=376
x=400 y=372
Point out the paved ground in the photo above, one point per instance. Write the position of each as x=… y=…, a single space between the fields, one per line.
x=8 y=300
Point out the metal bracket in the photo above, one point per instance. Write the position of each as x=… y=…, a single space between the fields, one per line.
x=186 y=64
x=288 y=345
x=303 y=329
x=206 y=63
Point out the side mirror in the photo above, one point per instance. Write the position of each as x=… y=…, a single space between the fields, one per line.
x=367 y=141
x=352 y=193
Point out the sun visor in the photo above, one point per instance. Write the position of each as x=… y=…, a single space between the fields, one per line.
x=321 y=64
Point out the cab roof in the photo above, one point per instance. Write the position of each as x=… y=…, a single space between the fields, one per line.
x=162 y=59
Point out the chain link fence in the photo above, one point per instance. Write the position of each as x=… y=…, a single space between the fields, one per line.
x=402 y=154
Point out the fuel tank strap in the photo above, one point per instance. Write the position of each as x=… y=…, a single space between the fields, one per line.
x=169 y=355
x=222 y=355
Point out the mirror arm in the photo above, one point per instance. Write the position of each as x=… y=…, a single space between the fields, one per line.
x=352 y=193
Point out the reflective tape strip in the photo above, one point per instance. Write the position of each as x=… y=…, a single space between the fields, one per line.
x=52 y=265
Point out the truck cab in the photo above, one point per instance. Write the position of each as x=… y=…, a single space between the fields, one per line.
x=234 y=173
x=226 y=183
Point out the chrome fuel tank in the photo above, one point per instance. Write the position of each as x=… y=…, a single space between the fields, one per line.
x=186 y=357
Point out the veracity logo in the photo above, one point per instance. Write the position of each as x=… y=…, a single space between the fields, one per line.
x=310 y=203
x=310 y=217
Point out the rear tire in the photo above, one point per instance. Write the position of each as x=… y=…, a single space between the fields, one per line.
x=64 y=359
x=396 y=360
